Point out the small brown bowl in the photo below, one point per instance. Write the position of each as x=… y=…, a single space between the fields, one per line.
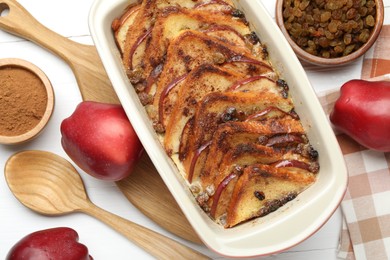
x=321 y=61
x=18 y=64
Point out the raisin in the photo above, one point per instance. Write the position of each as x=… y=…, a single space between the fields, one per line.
x=253 y=38
x=230 y=114
x=238 y=13
x=260 y=195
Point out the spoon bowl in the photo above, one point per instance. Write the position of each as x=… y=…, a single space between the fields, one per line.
x=54 y=190
x=50 y=185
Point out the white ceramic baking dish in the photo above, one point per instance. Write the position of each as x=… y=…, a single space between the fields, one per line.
x=277 y=231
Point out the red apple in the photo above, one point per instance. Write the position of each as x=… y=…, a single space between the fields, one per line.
x=99 y=138
x=363 y=112
x=54 y=243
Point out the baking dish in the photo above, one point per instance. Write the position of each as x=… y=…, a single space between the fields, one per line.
x=292 y=223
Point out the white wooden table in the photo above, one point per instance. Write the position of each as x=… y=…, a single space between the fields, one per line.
x=70 y=19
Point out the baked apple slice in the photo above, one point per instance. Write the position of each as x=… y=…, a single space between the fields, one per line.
x=121 y=25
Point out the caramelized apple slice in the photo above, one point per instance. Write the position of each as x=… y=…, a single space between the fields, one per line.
x=312 y=167
x=203 y=5
x=271 y=111
x=221 y=198
x=249 y=80
x=121 y=25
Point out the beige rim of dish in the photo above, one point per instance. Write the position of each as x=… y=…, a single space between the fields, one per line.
x=34 y=132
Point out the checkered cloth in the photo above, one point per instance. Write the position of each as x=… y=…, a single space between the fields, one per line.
x=366 y=206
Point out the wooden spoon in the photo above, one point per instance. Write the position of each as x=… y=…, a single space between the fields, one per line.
x=50 y=185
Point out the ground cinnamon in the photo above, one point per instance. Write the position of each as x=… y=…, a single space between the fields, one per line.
x=23 y=100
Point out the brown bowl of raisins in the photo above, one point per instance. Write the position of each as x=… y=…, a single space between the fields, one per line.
x=330 y=32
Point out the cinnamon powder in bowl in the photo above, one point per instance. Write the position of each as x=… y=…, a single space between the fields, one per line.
x=26 y=101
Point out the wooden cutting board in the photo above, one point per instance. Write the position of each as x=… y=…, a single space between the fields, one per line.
x=144 y=188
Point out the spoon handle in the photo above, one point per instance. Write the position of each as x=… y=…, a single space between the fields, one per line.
x=156 y=244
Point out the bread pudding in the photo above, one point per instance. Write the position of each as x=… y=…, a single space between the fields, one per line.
x=220 y=110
